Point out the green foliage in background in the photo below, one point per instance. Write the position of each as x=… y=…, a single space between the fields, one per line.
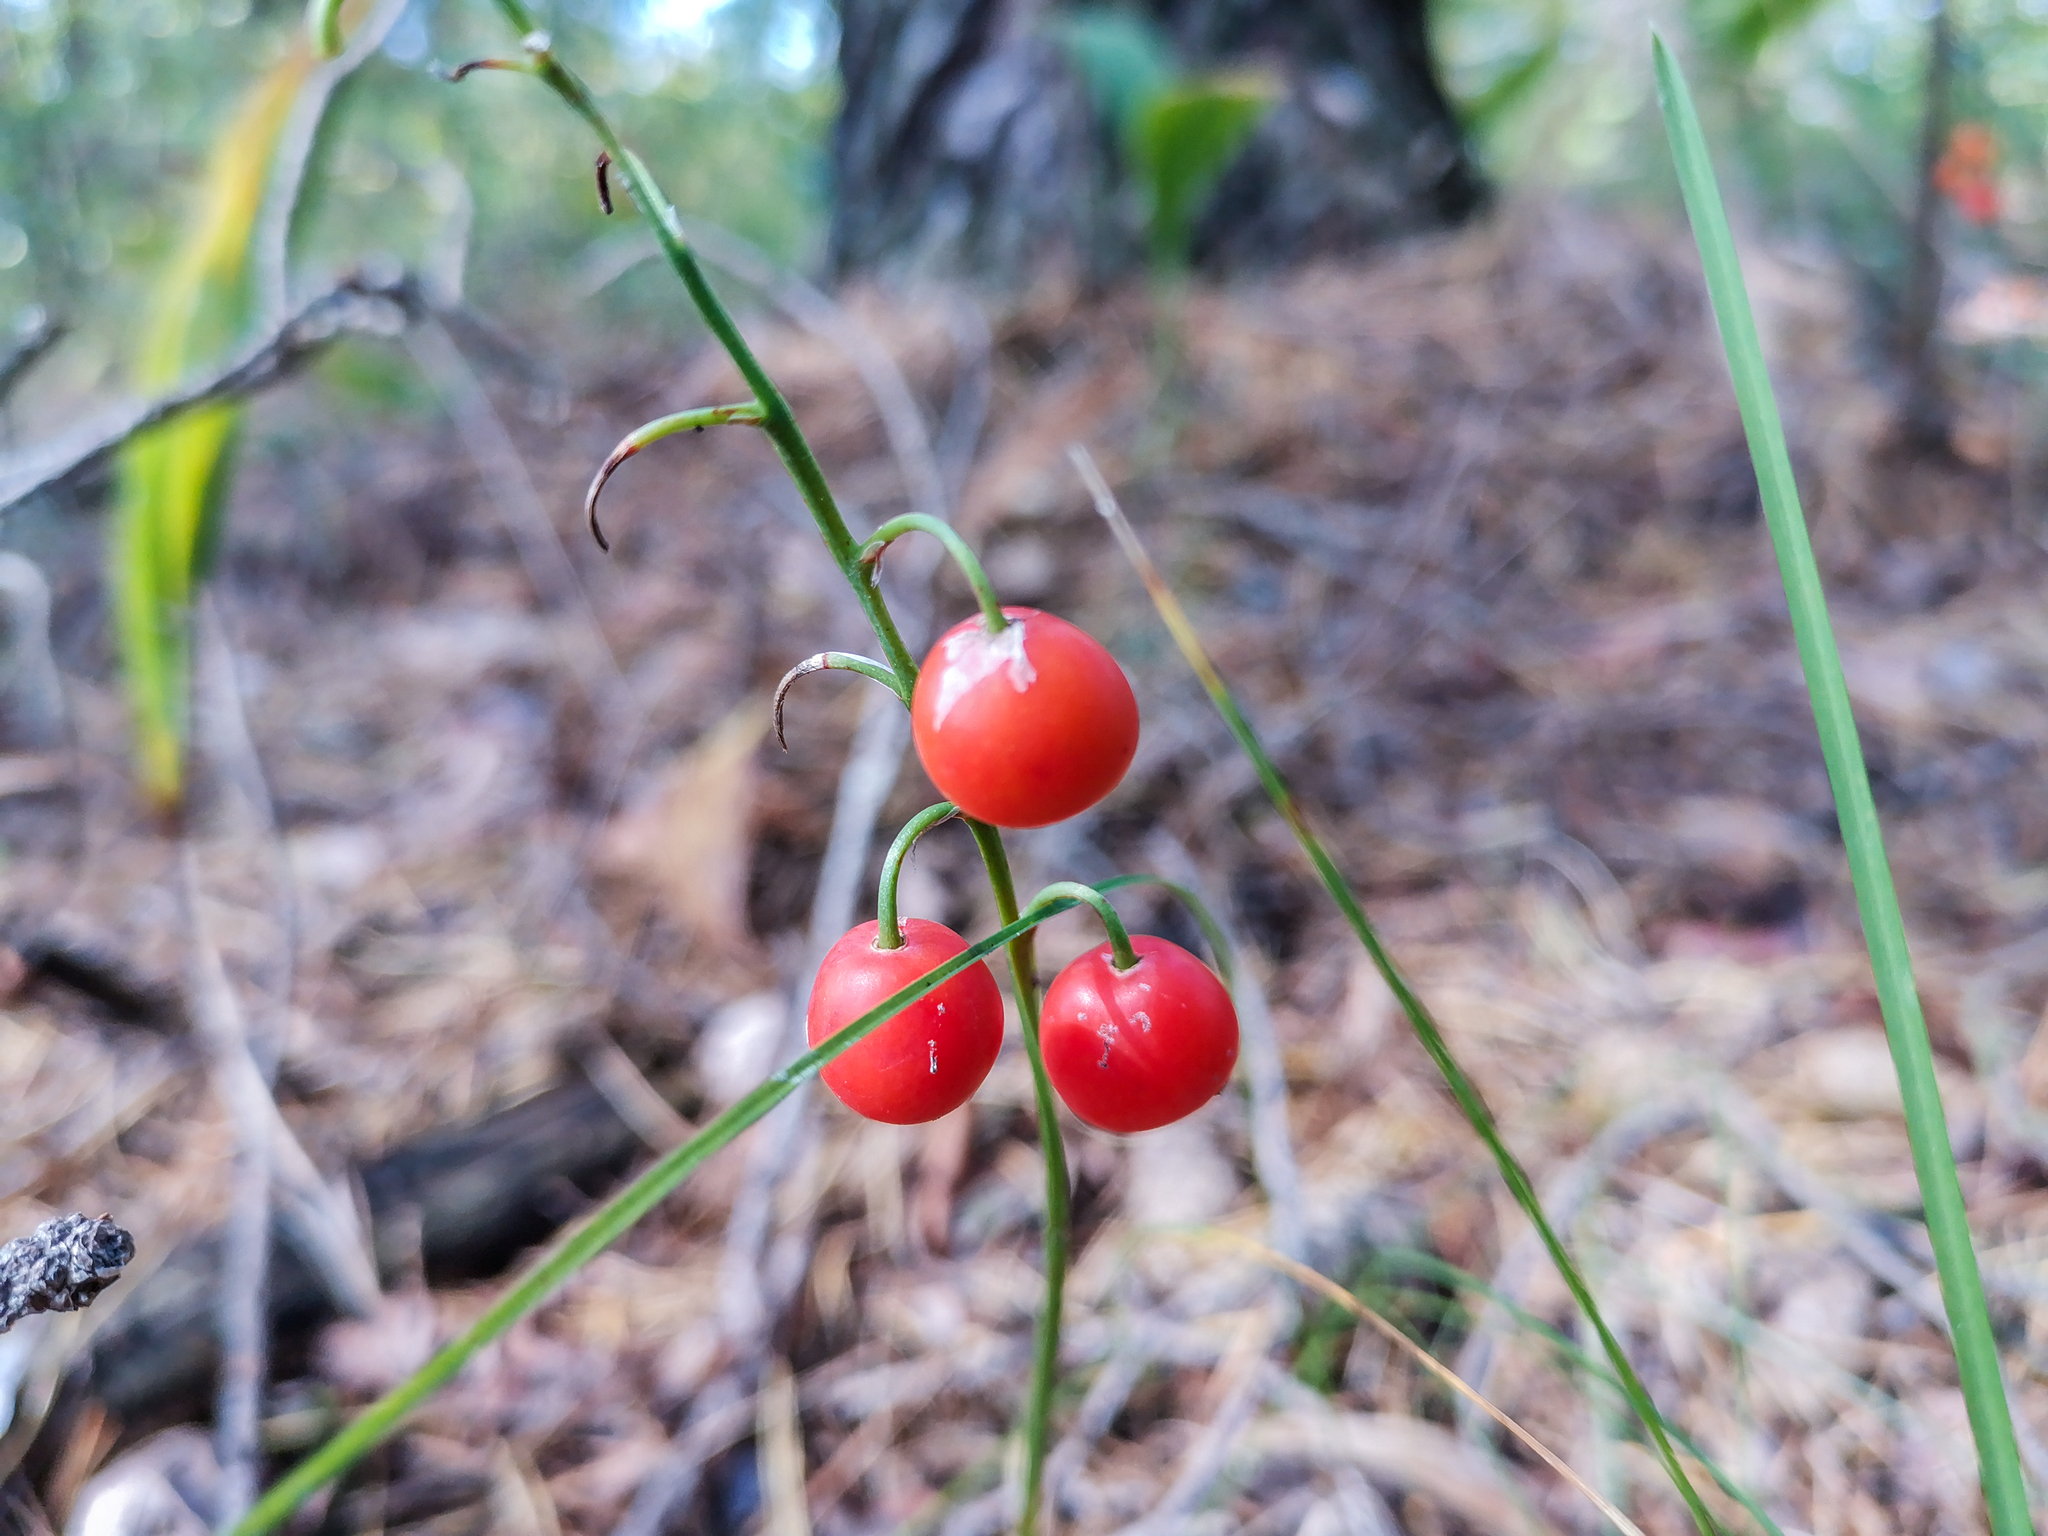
x=1178 y=132
x=109 y=108
x=1818 y=102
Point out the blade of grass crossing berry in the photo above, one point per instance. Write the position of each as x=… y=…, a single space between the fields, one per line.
x=1463 y=1089
x=603 y=1227
x=1884 y=930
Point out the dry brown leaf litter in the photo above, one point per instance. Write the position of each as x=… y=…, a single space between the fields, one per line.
x=1472 y=530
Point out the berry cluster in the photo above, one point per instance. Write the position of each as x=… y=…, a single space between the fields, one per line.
x=1023 y=726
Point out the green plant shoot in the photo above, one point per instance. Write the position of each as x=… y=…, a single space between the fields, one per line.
x=173 y=478
x=1884 y=929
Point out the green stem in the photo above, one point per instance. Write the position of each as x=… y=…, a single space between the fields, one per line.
x=888 y=934
x=1463 y=1089
x=1884 y=929
x=962 y=552
x=1123 y=955
x=1045 y=1353
x=777 y=419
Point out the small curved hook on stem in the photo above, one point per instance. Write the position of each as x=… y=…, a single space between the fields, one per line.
x=745 y=414
x=832 y=661
x=888 y=931
x=604 y=185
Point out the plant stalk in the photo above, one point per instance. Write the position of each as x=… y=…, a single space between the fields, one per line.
x=1045 y=1353
x=963 y=556
x=1877 y=902
x=1471 y=1103
x=777 y=419
x=599 y=1231
x=1124 y=956
x=779 y=422
x=888 y=932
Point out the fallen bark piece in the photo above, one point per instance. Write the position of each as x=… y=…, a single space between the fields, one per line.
x=61 y=1266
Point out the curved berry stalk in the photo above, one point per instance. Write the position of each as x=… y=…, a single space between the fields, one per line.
x=962 y=552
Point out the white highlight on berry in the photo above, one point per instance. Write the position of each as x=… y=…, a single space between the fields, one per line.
x=972 y=656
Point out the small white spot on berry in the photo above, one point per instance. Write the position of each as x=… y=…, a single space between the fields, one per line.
x=935 y=1056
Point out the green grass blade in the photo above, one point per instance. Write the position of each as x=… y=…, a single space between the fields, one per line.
x=1884 y=930
x=603 y=1227
x=1463 y=1090
x=1430 y=1267
x=173 y=479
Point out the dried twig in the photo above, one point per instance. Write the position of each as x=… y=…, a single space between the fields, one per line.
x=358 y=303
x=270 y=242
x=62 y=1266
x=241 y=1304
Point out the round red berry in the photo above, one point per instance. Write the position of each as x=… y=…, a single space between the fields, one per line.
x=1026 y=727
x=928 y=1059
x=1134 y=1050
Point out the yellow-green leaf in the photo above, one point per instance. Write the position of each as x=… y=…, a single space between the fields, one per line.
x=173 y=478
x=1184 y=139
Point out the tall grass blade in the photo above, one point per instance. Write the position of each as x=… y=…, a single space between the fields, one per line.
x=1441 y=1272
x=1884 y=930
x=1463 y=1089
x=172 y=478
x=1324 y=1286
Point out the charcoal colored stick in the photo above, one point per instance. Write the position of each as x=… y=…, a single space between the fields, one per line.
x=61 y=1266
x=461 y=1203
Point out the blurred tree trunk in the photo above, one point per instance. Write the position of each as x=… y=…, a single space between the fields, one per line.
x=968 y=148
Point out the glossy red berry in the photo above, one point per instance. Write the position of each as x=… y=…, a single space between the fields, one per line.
x=928 y=1059
x=1134 y=1050
x=1023 y=728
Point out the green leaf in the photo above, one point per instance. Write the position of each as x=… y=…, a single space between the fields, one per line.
x=1747 y=29
x=1877 y=902
x=1123 y=59
x=172 y=481
x=1513 y=84
x=1184 y=139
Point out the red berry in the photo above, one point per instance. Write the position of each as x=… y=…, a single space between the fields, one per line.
x=1023 y=728
x=928 y=1059
x=1134 y=1050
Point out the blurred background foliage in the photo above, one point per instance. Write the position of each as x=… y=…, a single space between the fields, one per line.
x=107 y=109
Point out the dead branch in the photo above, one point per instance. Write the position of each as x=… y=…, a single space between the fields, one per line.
x=61 y=1266
x=358 y=303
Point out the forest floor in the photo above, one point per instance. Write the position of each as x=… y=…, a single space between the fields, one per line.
x=1471 y=530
